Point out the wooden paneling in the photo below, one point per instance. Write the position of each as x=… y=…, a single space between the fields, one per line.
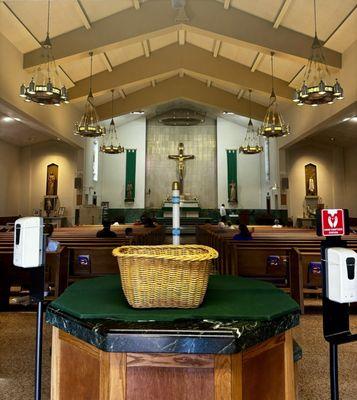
x=169 y=360
x=153 y=383
x=263 y=376
x=78 y=373
x=112 y=376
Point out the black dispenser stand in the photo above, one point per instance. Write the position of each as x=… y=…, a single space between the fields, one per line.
x=335 y=317
x=37 y=296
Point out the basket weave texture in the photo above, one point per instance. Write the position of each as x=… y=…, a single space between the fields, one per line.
x=167 y=276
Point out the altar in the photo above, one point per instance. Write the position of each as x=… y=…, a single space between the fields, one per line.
x=188 y=208
x=236 y=345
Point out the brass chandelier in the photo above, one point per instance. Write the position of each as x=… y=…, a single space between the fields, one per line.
x=89 y=125
x=315 y=90
x=45 y=87
x=110 y=141
x=251 y=140
x=273 y=124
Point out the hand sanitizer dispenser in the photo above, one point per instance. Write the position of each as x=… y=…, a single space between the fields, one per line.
x=28 y=242
x=341 y=275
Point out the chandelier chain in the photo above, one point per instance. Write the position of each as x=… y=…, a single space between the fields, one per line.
x=315 y=18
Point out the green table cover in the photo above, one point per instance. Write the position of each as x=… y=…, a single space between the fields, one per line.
x=227 y=298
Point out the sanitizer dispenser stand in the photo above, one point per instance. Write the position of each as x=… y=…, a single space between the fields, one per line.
x=339 y=269
x=30 y=252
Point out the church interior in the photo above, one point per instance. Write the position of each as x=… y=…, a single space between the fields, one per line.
x=178 y=199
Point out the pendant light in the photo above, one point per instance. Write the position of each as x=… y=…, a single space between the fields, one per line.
x=251 y=140
x=45 y=87
x=315 y=89
x=110 y=141
x=89 y=124
x=273 y=124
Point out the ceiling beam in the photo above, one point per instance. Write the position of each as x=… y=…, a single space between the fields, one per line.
x=155 y=18
x=258 y=59
x=82 y=14
x=226 y=4
x=136 y=4
x=146 y=48
x=182 y=88
x=175 y=57
x=106 y=62
x=281 y=13
x=181 y=36
x=216 y=48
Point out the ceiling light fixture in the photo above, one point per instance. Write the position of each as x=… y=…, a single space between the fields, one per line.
x=89 y=124
x=8 y=119
x=315 y=89
x=110 y=141
x=45 y=87
x=353 y=119
x=251 y=140
x=273 y=124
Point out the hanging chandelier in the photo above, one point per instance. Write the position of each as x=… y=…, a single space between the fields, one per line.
x=45 y=87
x=315 y=90
x=89 y=124
x=111 y=142
x=251 y=140
x=273 y=124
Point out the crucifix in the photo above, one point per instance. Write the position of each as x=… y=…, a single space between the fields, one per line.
x=181 y=158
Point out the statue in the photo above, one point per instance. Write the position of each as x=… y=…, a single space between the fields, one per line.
x=311 y=179
x=232 y=192
x=181 y=158
x=129 y=191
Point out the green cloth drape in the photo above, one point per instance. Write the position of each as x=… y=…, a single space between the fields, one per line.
x=130 y=171
x=232 y=175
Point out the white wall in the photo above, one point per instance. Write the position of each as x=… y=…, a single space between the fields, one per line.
x=252 y=186
x=111 y=184
x=10 y=179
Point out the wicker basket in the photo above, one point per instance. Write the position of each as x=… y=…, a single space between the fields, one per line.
x=165 y=276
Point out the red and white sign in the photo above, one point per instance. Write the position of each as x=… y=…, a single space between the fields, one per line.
x=332 y=222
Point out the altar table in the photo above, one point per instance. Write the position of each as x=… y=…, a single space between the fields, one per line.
x=236 y=346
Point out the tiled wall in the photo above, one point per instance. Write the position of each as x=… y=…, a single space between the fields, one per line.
x=200 y=173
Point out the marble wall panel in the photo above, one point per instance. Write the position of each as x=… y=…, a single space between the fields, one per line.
x=200 y=173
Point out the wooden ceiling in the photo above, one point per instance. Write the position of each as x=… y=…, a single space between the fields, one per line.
x=222 y=45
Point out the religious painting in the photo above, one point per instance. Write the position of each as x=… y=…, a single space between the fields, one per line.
x=311 y=180
x=52 y=180
x=283 y=199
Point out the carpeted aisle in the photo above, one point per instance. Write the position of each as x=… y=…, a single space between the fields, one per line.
x=17 y=344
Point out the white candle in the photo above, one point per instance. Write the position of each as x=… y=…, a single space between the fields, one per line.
x=175 y=213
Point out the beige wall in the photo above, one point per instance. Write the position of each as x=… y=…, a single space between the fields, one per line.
x=350 y=155
x=297 y=157
x=35 y=161
x=9 y=179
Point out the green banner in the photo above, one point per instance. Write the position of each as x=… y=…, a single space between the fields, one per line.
x=130 y=174
x=232 y=183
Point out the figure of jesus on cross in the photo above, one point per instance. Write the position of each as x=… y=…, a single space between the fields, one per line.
x=181 y=158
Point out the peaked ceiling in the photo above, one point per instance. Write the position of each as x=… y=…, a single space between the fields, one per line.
x=142 y=48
